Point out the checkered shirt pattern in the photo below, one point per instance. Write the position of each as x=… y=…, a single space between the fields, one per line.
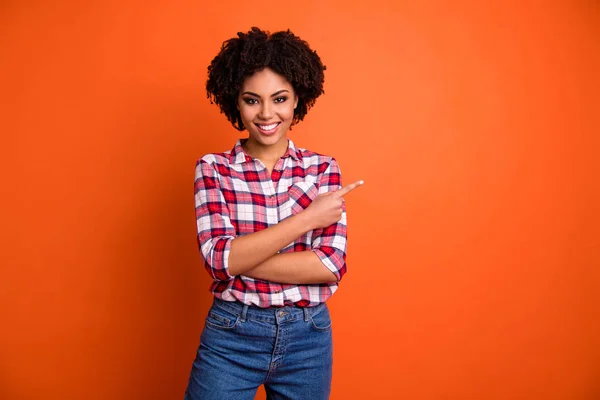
x=235 y=196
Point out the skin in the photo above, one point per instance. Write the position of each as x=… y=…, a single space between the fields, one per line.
x=267 y=97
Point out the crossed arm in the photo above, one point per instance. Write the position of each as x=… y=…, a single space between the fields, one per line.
x=255 y=255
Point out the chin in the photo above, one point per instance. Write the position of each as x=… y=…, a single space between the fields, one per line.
x=268 y=140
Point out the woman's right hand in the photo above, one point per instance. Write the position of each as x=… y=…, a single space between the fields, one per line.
x=326 y=208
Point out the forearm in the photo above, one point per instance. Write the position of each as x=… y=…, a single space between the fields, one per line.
x=249 y=251
x=302 y=267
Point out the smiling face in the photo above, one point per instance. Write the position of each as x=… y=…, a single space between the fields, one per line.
x=266 y=103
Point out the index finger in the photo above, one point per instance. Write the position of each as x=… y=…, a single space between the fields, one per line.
x=347 y=189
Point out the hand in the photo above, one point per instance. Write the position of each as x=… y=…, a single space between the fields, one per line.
x=326 y=208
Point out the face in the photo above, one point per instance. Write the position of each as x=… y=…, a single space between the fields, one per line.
x=266 y=103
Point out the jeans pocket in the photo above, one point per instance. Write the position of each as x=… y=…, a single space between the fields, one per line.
x=321 y=321
x=221 y=319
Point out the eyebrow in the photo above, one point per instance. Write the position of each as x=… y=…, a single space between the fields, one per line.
x=273 y=95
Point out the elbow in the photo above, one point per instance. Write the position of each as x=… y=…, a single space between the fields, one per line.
x=334 y=260
x=232 y=270
x=218 y=274
x=341 y=271
x=216 y=258
x=337 y=274
x=331 y=277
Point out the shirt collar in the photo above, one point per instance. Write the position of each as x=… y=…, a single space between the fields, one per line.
x=239 y=156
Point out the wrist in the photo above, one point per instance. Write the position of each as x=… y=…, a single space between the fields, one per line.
x=304 y=221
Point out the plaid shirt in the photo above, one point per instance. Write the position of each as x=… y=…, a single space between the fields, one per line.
x=235 y=196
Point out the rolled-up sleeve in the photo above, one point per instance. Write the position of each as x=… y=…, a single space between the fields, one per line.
x=329 y=243
x=215 y=230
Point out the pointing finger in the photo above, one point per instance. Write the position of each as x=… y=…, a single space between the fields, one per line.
x=347 y=189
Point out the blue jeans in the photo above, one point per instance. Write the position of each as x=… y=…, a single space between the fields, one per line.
x=288 y=349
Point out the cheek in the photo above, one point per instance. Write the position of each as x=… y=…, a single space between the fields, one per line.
x=246 y=113
x=288 y=112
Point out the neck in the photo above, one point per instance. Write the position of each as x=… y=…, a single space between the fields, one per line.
x=266 y=153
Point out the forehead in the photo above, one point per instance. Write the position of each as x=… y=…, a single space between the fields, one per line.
x=266 y=82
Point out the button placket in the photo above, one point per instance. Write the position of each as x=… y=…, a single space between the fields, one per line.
x=269 y=193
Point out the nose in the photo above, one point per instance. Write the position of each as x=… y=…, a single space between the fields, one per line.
x=266 y=111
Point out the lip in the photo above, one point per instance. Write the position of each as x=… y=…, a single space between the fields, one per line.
x=271 y=132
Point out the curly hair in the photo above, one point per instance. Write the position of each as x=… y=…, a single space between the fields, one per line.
x=283 y=52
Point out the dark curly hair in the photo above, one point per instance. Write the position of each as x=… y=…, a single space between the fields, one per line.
x=283 y=52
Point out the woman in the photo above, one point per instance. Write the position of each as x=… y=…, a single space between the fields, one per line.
x=271 y=229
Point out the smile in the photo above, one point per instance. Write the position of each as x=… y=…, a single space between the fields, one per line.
x=267 y=129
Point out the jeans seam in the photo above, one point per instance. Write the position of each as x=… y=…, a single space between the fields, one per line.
x=220 y=327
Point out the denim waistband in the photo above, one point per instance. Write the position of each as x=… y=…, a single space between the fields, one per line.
x=270 y=314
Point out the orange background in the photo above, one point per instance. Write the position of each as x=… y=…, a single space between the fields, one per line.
x=473 y=247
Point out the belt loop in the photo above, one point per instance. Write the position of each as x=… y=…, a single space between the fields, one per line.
x=244 y=312
x=306 y=314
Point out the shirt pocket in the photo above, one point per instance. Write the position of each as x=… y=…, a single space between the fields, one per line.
x=300 y=196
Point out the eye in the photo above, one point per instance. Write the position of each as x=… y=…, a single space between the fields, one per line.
x=250 y=101
x=280 y=99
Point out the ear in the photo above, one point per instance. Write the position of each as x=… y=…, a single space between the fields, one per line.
x=295 y=101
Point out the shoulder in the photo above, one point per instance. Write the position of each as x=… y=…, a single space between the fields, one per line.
x=321 y=162
x=323 y=168
x=219 y=162
x=215 y=158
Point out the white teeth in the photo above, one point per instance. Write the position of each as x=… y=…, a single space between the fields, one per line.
x=268 y=127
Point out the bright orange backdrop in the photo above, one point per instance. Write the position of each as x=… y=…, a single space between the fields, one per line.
x=473 y=247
